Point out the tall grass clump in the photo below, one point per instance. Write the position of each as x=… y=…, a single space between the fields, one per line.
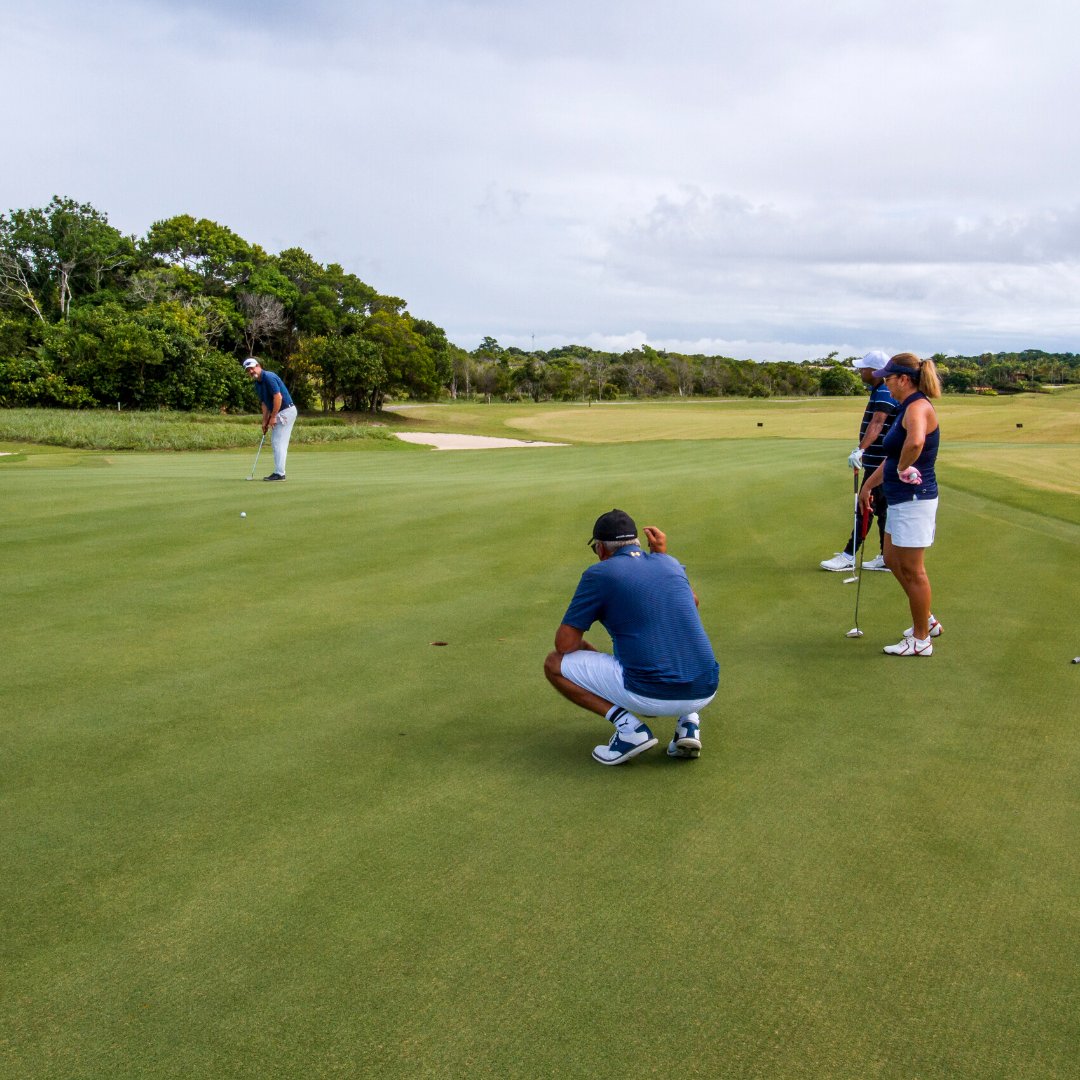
x=103 y=430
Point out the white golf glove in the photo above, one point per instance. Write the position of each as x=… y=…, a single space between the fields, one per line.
x=855 y=458
x=911 y=475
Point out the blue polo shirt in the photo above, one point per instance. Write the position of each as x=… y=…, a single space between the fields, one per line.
x=269 y=385
x=645 y=603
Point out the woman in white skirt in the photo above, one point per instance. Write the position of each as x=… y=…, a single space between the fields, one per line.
x=910 y=484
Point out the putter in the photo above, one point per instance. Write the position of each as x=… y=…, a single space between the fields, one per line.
x=855 y=534
x=257 y=453
x=855 y=631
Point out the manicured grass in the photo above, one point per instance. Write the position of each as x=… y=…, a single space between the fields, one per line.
x=256 y=825
x=1045 y=418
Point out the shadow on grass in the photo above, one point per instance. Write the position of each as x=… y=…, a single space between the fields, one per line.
x=567 y=749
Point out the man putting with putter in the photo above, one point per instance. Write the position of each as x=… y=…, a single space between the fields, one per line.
x=278 y=413
x=663 y=665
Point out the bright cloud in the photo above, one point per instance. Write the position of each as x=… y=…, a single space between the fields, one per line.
x=775 y=180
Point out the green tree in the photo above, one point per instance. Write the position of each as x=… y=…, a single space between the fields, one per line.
x=362 y=375
x=30 y=380
x=213 y=253
x=462 y=368
x=488 y=349
x=406 y=356
x=439 y=347
x=157 y=356
x=840 y=382
x=327 y=299
x=53 y=256
x=110 y=353
x=346 y=368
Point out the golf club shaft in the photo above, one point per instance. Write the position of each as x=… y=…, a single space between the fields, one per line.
x=855 y=546
x=854 y=532
x=255 y=465
x=858 y=586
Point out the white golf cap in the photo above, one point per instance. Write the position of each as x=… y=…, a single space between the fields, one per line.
x=875 y=358
x=251 y=362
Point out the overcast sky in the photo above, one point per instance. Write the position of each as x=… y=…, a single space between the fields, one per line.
x=772 y=180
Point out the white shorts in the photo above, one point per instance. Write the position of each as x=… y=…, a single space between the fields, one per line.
x=603 y=675
x=911 y=524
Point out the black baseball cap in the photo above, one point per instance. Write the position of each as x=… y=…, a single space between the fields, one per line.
x=893 y=368
x=614 y=525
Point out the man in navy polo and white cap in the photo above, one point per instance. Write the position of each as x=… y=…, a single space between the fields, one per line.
x=663 y=663
x=278 y=413
x=868 y=455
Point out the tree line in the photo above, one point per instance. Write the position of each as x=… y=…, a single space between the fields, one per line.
x=91 y=317
x=575 y=371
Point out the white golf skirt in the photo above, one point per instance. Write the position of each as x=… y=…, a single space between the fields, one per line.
x=912 y=524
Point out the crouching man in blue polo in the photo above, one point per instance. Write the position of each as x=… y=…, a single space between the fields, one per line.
x=663 y=665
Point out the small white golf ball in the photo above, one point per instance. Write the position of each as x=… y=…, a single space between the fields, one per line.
x=242 y=514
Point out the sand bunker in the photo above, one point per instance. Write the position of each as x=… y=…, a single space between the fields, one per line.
x=444 y=441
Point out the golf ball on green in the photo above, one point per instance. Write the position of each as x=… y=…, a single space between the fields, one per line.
x=242 y=514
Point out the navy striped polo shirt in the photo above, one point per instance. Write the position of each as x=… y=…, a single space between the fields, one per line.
x=881 y=401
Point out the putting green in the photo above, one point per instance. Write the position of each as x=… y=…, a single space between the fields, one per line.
x=255 y=824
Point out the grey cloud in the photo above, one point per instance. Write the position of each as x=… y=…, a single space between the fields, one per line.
x=502 y=204
x=697 y=229
x=776 y=172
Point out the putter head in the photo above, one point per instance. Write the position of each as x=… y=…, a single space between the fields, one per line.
x=849 y=580
x=854 y=633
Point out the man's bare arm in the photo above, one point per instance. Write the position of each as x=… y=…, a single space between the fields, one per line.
x=570 y=639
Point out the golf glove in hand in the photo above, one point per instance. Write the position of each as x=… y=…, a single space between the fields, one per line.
x=855 y=458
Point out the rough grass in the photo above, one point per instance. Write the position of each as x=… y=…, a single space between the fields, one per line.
x=105 y=430
x=255 y=825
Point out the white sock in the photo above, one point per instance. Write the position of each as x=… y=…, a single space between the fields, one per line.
x=623 y=718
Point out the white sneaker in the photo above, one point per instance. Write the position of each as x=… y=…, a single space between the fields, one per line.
x=840 y=561
x=910 y=646
x=935 y=629
x=686 y=742
x=627 y=742
x=876 y=563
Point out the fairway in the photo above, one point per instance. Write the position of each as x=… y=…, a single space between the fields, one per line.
x=255 y=824
x=1012 y=421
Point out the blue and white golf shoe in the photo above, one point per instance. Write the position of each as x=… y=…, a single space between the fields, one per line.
x=686 y=742
x=624 y=745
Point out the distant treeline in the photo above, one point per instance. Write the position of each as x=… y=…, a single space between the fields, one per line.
x=90 y=317
x=576 y=372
